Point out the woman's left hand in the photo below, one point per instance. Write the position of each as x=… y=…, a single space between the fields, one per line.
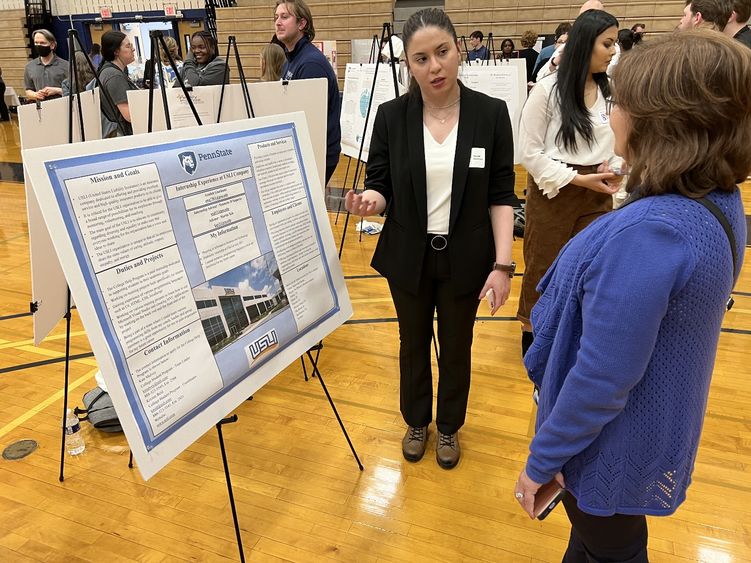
x=526 y=489
x=500 y=284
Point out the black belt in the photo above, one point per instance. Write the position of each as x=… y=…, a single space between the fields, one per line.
x=438 y=242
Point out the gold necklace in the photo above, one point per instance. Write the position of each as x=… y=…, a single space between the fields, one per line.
x=442 y=120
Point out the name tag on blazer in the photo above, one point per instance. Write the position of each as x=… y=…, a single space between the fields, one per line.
x=477 y=157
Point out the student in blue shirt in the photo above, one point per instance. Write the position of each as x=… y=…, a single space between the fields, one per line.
x=479 y=52
x=628 y=321
x=294 y=29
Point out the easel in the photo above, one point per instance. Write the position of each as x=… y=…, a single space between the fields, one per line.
x=73 y=42
x=249 y=109
x=232 y=42
x=385 y=36
x=374 y=56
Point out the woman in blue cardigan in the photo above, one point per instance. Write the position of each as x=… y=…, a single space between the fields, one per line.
x=627 y=326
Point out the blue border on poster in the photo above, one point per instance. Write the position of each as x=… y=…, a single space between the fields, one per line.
x=55 y=170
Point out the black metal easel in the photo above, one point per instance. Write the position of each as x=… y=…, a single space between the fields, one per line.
x=232 y=42
x=73 y=43
x=385 y=36
x=238 y=535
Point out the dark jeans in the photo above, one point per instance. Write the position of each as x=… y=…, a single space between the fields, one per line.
x=620 y=538
x=456 y=318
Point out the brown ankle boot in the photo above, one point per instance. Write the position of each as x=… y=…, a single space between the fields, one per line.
x=413 y=443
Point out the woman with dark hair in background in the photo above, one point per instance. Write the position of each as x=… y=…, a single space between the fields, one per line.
x=203 y=66
x=626 y=39
x=95 y=54
x=627 y=327
x=117 y=53
x=441 y=164
x=564 y=136
x=507 y=50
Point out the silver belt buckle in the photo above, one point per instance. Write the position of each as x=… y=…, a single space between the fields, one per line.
x=438 y=242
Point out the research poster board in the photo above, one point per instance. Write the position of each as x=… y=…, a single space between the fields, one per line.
x=202 y=263
x=506 y=81
x=46 y=125
x=267 y=98
x=362 y=50
x=358 y=83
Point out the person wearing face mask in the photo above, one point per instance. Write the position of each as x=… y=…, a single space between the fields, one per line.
x=117 y=53
x=43 y=77
x=203 y=67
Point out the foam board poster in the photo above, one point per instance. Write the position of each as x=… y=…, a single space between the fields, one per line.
x=358 y=83
x=505 y=81
x=46 y=125
x=202 y=263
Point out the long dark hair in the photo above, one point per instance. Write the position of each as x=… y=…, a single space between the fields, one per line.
x=573 y=73
x=111 y=42
x=429 y=17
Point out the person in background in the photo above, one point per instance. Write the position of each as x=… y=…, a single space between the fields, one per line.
x=737 y=26
x=117 y=53
x=203 y=66
x=627 y=327
x=564 y=138
x=442 y=164
x=272 y=61
x=95 y=54
x=4 y=114
x=169 y=74
x=478 y=51
x=639 y=30
x=561 y=36
x=294 y=28
x=626 y=39
x=529 y=38
x=83 y=76
x=707 y=14
x=43 y=77
x=507 y=50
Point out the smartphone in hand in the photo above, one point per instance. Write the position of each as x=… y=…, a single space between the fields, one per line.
x=547 y=498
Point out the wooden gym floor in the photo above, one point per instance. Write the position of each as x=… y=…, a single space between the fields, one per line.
x=299 y=493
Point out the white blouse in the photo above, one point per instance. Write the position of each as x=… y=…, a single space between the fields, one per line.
x=439 y=175
x=544 y=158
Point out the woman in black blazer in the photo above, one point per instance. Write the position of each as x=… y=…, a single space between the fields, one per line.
x=441 y=167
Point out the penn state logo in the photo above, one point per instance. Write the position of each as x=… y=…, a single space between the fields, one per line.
x=188 y=161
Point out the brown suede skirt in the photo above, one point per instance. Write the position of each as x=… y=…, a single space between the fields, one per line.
x=549 y=225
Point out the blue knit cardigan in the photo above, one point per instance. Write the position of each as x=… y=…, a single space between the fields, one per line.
x=626 y=332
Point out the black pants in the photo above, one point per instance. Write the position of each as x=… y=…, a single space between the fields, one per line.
x=4 y=115
x=456 y=318
x=619 y=538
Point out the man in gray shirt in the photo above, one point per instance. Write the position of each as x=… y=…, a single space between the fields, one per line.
x=43 y=77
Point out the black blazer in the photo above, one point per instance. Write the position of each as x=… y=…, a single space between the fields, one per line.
x=396 y=169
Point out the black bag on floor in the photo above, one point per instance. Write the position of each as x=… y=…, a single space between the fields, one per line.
x=99 y=411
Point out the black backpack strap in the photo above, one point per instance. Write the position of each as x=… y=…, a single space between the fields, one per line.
x=717 y=212
x=723 y=220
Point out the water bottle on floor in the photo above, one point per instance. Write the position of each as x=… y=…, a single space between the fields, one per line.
x=73 y=439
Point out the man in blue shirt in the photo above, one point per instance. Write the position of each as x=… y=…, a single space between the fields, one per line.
x=294 y=29
x=479 y=51
x=561 y=35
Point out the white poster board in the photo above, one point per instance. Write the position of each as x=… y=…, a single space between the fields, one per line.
x=46 y=125
x=362 y=49
x=202 y=263
x=505 y=81
x=358 y=83
x=328 y=48
x=268 y=98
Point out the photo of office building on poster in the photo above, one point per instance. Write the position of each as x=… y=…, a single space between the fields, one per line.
x=238 y=301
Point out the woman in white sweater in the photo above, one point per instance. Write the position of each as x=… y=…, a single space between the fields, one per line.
x=565 y=138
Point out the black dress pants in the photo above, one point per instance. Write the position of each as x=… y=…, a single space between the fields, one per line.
x=456 y=318
x=4 y=115
x=621 y=538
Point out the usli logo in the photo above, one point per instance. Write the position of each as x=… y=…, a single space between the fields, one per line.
x=188 y=161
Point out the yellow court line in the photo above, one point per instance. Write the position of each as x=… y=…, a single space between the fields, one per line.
x=44 y=404
x=31 y=341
